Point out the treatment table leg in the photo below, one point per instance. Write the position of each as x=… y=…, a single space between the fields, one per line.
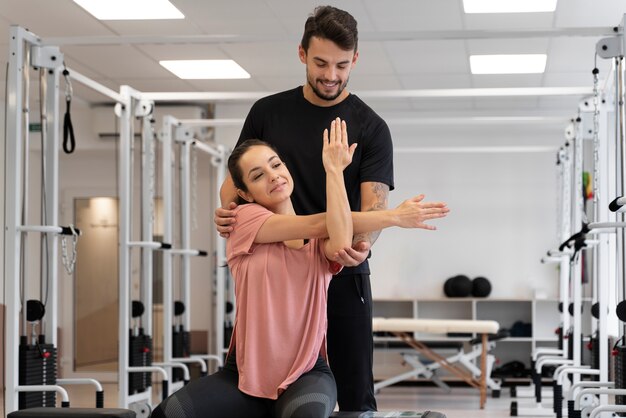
x=483 y=372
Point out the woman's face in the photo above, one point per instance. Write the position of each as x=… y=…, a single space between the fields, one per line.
x=266 y=177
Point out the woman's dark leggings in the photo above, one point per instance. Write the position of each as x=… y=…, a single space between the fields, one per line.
x=313 y=395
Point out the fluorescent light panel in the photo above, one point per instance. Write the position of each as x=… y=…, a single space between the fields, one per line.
x=509 y=6
x=508 y=64
x=130 y=9
x=205 y=69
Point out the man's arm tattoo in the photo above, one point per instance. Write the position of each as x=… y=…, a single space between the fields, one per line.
x=381 y=193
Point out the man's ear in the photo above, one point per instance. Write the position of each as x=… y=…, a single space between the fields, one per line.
x=302 y=54
x=245 y=196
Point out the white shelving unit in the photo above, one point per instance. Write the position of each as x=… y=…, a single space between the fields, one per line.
x=543 y=315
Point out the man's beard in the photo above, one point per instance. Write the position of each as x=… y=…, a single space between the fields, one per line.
x=327 y=97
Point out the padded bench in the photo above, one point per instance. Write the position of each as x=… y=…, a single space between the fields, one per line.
x=388 y=414
x=73 y=413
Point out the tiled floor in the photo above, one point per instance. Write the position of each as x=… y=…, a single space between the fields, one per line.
x=460 y=403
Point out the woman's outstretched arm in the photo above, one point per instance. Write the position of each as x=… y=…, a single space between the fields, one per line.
x=412 y=213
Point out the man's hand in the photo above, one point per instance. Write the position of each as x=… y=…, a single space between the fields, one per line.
x=225 y=219
x=350 y=257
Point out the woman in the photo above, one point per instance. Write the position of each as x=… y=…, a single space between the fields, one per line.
x=282 y=264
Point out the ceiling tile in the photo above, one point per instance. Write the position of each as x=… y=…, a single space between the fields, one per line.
x=226 y=85
x=411 y=15
x=436 y=81
x=507 y=21
x=585 y=13
x=411 y=57
x=574 y=54
x=62 y=18
x=116 y=61
x=507 y=46
x=507 y=80
x=266 y=58
x=183 y=51
x=156 y=28
x=236 y=17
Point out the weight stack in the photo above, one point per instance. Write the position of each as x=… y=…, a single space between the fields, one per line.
x=140 y=354
x=180 y=348
x=38 y=366
x=620 y=375
x=570 y=346
x=595 y=355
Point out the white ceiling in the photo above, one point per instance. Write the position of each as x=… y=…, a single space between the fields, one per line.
x=404 y=45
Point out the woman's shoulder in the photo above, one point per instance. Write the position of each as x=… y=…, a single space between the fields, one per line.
x=250 y=208
x=251 y=212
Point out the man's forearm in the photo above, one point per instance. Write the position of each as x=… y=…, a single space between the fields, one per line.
x=374 y=197
x=228 y=192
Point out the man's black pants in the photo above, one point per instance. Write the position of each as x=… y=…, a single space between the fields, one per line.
x=350 y=341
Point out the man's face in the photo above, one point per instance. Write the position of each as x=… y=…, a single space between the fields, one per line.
x=327 y=68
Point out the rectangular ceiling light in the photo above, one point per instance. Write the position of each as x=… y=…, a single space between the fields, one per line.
x=130 y=9
x=205 y=69
x=509 y=6
x=508 y=64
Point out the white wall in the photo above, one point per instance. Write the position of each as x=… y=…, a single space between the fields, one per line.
x=501 y=223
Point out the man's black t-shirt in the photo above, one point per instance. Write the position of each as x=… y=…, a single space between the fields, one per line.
x=294 y=126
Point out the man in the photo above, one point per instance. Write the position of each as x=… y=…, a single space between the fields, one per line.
x=292 y=121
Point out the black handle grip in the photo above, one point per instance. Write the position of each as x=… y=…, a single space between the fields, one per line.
x=65 y=404
x=202 y=253
x=165 y=389
x=66 y=230
x=99 y=399
x=166 y=246
x=577 y=237
x=614 y=206
x=185 y=382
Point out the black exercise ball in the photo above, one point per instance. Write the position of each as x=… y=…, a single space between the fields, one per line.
x=481 y=287
x=458 y=286
x=447 y=287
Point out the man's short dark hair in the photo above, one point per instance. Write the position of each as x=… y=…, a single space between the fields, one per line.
x=330 y=23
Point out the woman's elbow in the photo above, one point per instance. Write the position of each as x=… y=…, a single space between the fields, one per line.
x=336 y=246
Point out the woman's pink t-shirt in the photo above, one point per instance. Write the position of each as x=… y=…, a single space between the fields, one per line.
x=280 y=323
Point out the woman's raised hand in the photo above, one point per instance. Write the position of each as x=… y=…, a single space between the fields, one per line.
x=412 y=213
x=336 y=152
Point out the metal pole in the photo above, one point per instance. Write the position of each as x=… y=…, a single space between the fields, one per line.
x=124 y=250
x=168 y=163
x=185 y=233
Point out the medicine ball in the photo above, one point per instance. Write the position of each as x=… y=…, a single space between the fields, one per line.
x=595 y=310
x=179 y=308
x=35 y=310
x=458 y=286
x=447 y=287
x=481 y=287
x=137 y=309
x=620 y=310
